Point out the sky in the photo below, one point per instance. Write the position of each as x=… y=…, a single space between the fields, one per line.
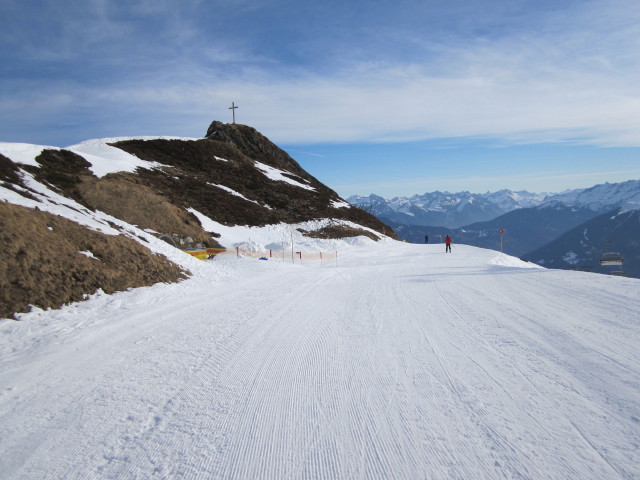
x=394 y=98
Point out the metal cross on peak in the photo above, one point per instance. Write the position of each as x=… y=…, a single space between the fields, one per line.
x=233 y=109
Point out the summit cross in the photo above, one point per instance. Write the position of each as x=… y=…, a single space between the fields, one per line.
x=233 y=109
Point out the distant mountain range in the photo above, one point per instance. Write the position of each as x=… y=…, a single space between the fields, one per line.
x=454 y=210
x=545 y=228
x=444 y=209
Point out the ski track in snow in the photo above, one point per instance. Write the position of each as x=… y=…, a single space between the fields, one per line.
x=400 y=363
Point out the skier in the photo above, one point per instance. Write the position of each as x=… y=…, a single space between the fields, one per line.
x=447 y=241
x=426 y=239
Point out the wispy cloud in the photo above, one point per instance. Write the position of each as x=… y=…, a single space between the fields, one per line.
x=405 y=103
x=298 y=152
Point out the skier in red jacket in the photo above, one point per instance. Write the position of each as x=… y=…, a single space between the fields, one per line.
x=447 y=240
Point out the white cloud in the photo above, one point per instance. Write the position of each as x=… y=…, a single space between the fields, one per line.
x=573 y=76
x=563 y=84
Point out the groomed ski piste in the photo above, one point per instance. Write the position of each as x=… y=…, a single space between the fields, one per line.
x=393 y=361
x=400 y=362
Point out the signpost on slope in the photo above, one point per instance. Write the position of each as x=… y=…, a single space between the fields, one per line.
x=501 y=232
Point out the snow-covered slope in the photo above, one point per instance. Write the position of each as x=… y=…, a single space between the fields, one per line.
x=103 y=157
x=398 y=361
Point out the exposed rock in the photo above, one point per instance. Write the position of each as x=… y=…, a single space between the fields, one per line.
x=253 y=144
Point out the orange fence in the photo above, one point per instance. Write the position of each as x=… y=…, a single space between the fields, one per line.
x=204 y=253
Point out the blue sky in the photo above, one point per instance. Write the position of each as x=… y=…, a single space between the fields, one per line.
x=387 y=97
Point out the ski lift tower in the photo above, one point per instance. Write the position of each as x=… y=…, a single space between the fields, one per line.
x=612 y=259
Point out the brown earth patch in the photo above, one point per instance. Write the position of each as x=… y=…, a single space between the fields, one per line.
x=9 y=171
x=41 y=263
x=63 y=170
x=339 y=231
x=10 y=178
x=121 y=195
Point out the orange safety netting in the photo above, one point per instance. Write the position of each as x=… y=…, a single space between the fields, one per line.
x=204 y=253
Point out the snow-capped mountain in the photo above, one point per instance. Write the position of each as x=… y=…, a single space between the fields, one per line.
x=445 y=209
x=603 y=197
x=510 y=200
